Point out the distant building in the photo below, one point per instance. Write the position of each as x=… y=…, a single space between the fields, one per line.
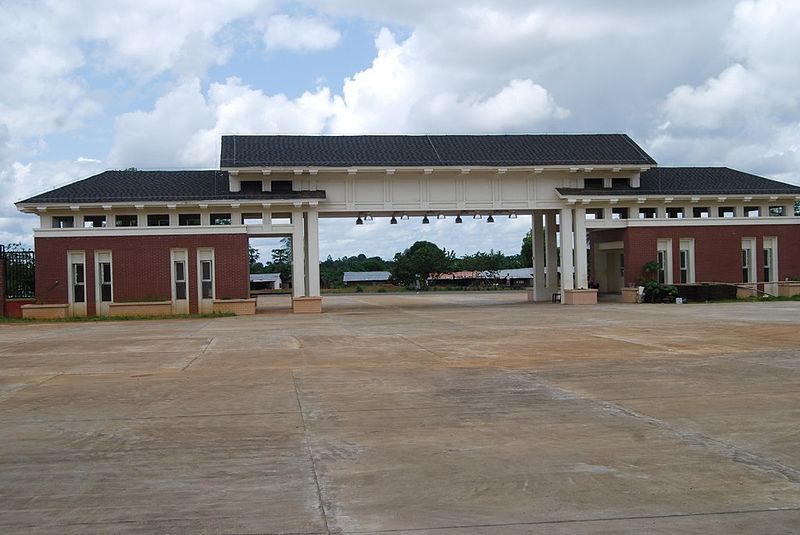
x=366 y=277
x=265 y=281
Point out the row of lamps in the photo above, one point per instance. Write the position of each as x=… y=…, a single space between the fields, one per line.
x=426 y=221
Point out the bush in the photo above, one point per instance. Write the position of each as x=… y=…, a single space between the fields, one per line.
x=655 y=292
x=381 y=290
x=359 y=289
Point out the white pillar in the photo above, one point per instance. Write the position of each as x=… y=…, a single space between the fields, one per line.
x=567 y=250
x=537 y=239
x=552 y=251
x=581 y=260
x=312 y=253
x=298 y=256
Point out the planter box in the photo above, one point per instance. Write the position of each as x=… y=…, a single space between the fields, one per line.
x=745 y=291
x=788 y=289
x=240 y=307
x=580 y=297
x=153 y=308
x=44 y=312
x=630 y=295
x=307 y=305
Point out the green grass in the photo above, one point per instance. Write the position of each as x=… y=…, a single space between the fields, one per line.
x=118 y=318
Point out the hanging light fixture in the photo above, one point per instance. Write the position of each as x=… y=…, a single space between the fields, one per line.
x=490 y=219
x=367 y=217
x=404 y=217
x=393 y=220
x=441 y=216
x=512 y=215
x=458 y=218
x=477 y=216
x=425 y=220
x=359 y=221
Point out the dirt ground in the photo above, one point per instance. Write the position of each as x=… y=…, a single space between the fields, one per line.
x=447 y=413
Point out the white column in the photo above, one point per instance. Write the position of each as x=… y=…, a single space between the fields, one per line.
x=581 y=261
x=567 y=250
x=552 y=251
x=312 y=253
x=537 y=238
x=298 y=256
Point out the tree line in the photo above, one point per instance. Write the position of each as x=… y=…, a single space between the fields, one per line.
x=415 y=263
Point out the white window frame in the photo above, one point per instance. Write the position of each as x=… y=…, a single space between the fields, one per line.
x=179 y=306
x=771 y=244
x=102 y=257
x=687 y=251
x=76 y=257
x=206 y=305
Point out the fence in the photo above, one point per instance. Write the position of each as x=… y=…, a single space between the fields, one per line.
x=20 y=273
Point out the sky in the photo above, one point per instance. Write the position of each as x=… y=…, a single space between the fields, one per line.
x=92 y=85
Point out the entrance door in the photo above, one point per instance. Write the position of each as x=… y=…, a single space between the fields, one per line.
x=180 y=293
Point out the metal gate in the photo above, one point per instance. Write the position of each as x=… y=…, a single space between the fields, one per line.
x=20 y=273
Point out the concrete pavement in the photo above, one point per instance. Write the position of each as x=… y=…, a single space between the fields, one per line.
x=440 y=413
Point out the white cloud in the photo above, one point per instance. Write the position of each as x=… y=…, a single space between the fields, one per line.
x=303 y=33
x=402 y=91
x=748 y=114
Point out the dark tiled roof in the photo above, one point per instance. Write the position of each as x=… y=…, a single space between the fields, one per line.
x=131 y=186
x=442 y=150
x=695 y=181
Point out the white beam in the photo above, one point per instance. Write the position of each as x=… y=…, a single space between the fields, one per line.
x=567 y=252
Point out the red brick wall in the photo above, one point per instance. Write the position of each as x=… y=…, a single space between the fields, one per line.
x=141 y=266
x=717 y=250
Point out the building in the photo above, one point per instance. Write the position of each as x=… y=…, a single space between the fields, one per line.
x=265 y=281
x=180 y=237
x=366 y=277
x=506 y=277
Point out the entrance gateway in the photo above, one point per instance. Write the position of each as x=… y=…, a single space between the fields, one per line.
x=138 y=240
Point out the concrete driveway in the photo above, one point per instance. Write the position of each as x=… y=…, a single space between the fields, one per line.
x=445 y=413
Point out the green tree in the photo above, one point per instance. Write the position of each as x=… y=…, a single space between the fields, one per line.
x=491 y=261
x=526 y=252
x=419 y=261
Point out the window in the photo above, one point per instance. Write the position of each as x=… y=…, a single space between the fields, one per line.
x=252 y=219
x=180 y=279
x=619 y=183
x=78 y=283
x=701 y=212
x=206 y=282
x=767 y=264
x=63 y=221
x=727 y=211
x=675 y=213
x=220 y=219
x=281 y=186
x=185 y=220
x=647 y=213
x=687 y=261
x=748 y=246
x=251 y=186
x=281 y=219
x=619 y=213
x=105 y=281
x=158 y=220
x=777 y=211
x=752 y=211
x=93 y=221
x=593 y=183
x=594 y=213
x=664 y=257
x=127 y=221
